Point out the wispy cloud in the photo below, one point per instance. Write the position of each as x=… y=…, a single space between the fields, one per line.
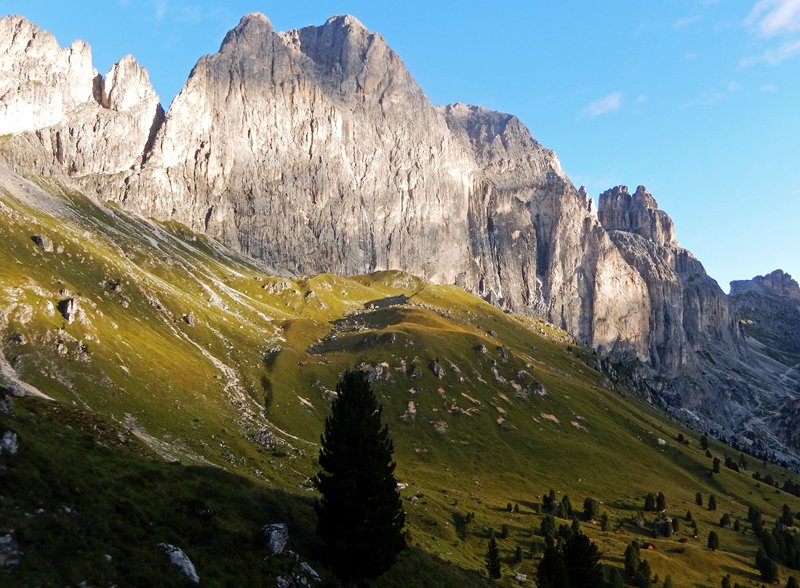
x=773 y=17
x=773 y=57
x=604 y=105
x=710 y=97
x=685 y=22
x=768 y=88
x=160 y=9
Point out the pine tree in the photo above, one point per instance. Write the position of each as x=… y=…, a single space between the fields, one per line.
x=632 y=560
x=590 y=509
x=698 y=499
x=552 y=573
x=712 y=502
x=713 y=541
x=518 y=554
x=360 y=516
x=650 y=502
x=725 y=521
x=581 y=557
x=661 y=501
x=726 y=581
x=792 y=583
x=715 y=465
x=769 y=570
x=704 y=442
x=493 y=560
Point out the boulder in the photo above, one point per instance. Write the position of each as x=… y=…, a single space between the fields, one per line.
x=45 y=243
x=276 y=534
x=306 y=569
x=181 y=561
x=9 y=443
x=68 y=309
x=9 y=551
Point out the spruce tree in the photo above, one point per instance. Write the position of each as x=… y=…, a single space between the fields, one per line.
x=661 y=501
x=360 y=516
x=493 y=560
x=552 y=573
x=712 y=502
x=581 y=557
x=698 y=499
x=713 y=541
x=792 y=583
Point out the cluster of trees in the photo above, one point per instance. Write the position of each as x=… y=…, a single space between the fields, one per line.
x=781 y=545
x=655 y=502
x=788 y=486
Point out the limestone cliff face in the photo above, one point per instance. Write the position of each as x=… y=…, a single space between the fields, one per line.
x=314 y=151
x=536 y=243
x=688 y=310
x=55 y=102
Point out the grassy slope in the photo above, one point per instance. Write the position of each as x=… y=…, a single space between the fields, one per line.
x=264 y=353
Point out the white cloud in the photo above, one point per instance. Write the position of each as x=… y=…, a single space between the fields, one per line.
x=773 y=17
x=685 y=22
x=160 y=7
x=640 y=99
x=768 y=88
x=733 y=86
x=773 y=57
x=604 y=105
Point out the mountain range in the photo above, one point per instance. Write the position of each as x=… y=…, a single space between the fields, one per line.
x=198 y=277
x=315 y=151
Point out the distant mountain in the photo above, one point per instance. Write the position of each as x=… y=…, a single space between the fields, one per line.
x=316 y=151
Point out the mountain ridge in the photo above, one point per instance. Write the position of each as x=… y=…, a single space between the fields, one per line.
x=316 y=151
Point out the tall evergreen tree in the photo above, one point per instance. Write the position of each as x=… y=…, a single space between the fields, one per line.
x=493 y=560
x=632 y=560
x=552 y=573
x=698 y=499
x=792 y=583
x=712 y=502
x=360 y=516
x=581 y=557
x=661 y=501
x=713 y=541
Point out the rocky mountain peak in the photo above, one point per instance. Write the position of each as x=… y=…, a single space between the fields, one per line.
x=126 y=85
x=777 y=283
x=253 y=30
x=618 y=210
x=40 y=81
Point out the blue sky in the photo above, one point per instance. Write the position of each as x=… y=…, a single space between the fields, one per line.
x=699 y=100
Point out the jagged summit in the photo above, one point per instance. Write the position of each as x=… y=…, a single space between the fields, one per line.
x=638 y=213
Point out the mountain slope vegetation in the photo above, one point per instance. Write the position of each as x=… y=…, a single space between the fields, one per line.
x=188 y=389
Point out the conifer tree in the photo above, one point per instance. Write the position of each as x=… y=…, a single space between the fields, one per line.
x=698 y=499
x=581 y=558
x=493 y=560
x=712 y=502
x=552 y=573
x=360 y=516
x=713 y=541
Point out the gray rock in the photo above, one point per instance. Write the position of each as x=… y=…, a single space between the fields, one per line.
x=9 y=551
x=276 y=534
x=9 y=443
x=45 y=243
x=306 y=569
x=68 y=309
x=181 y=561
